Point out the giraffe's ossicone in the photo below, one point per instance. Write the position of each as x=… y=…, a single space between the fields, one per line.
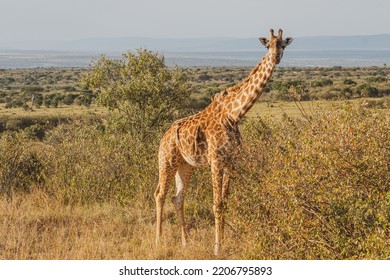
x=208 y=138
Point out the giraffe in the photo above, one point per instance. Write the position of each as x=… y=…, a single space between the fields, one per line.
x=208 y=138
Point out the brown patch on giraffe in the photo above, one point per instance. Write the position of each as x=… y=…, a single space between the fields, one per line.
x=236 y=104
x=244 y=98
x=262 y=76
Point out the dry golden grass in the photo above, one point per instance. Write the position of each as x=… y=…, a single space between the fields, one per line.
x=61 y=112
x=35 y=226
x=276 y=110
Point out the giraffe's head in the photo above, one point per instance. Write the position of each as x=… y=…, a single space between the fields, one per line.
x=276 y=45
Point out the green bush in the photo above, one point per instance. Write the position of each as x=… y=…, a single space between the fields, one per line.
x=144 y=94
x=322 y=83
x=346 y=93
x=379 y=79
x=91 y=165
x=21 y=165
x=349 y=82
x=38 y=100
x=366 y=90
x=35 y=131
x=69 y=99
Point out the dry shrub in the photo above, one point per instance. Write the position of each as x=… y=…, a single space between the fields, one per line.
x=22 y=165
x=316 y=189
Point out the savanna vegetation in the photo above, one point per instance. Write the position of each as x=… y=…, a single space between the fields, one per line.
x=311 y=180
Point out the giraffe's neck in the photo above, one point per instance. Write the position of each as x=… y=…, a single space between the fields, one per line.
x=244 y=95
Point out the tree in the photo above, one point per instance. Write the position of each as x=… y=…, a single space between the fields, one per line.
x=86 y=96
x=366 y=90
x=142 y=92
x=38 y=100
x=34 y=91
x=204 y=77
x=69 y=99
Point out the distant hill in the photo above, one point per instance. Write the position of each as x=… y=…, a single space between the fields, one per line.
x=314 y=43
x=367 y=42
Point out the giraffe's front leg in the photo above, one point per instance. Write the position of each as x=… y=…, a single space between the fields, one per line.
x=217 y=172
x=225 y=194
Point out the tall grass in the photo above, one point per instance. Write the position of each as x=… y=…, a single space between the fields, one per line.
x=302 y=189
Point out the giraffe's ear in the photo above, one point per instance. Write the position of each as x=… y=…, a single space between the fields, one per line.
x=288 y=41
x=264 y=41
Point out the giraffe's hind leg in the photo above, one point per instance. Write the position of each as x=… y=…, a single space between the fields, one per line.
x=182 y=178
x=166 y=174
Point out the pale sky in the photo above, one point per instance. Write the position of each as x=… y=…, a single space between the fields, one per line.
x=22 y=20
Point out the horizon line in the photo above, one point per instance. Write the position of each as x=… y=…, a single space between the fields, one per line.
x=180 y=38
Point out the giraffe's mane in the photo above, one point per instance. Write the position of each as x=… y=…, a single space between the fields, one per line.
x=218 y=96
x=238 y=86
